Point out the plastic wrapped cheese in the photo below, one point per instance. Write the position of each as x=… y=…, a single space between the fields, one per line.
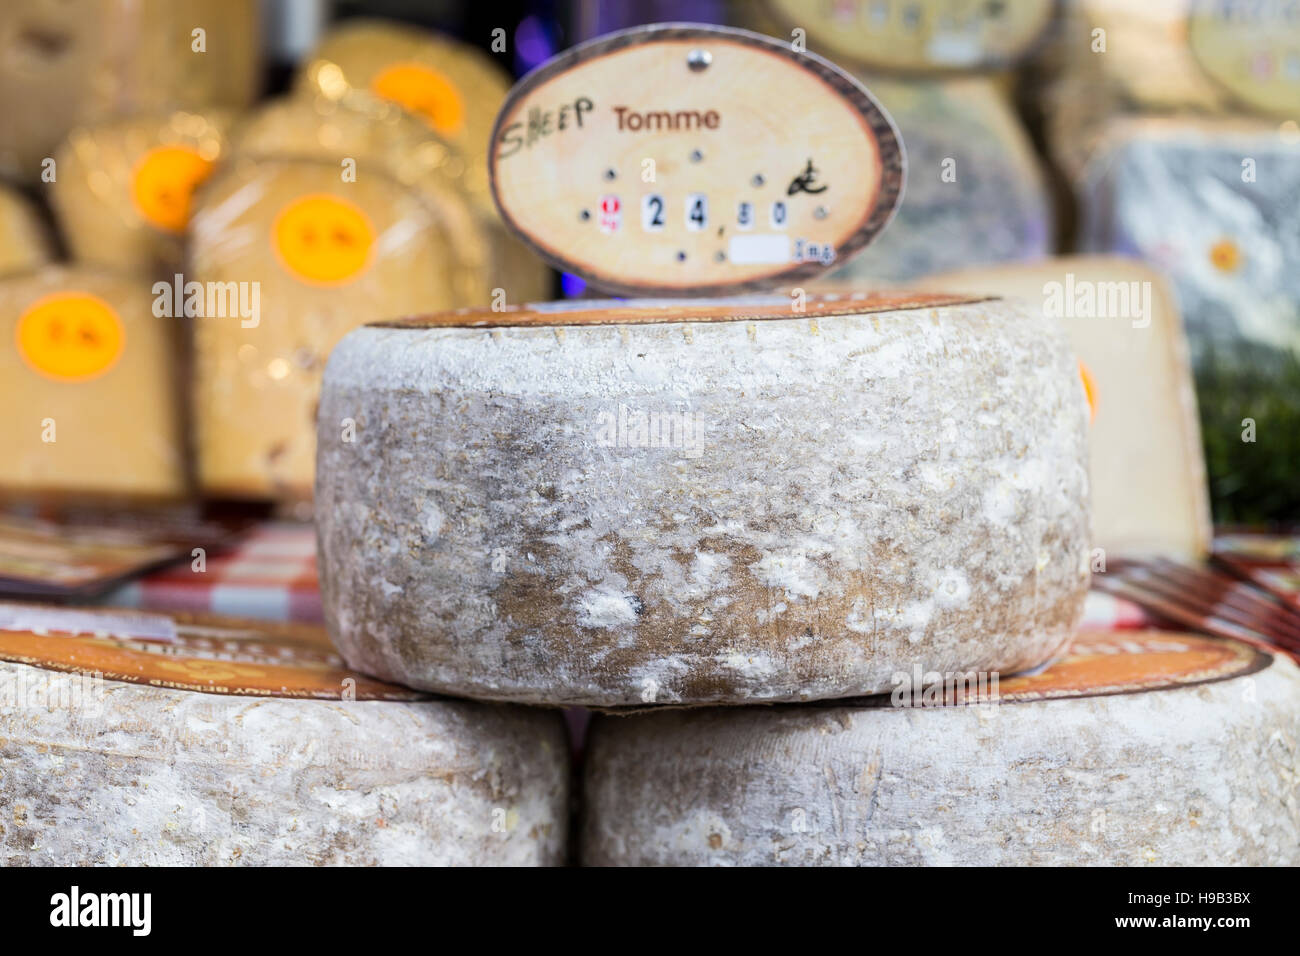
x=1140 y=748
x=1211 y=204
x=372 y=134
x=131 y=739
x=716 y=501
x=309 y=256
x=24 y=242
x=1147 y=468
x=454 y=90
x=975 y=189
x=125 y=189
x=70 y=63
x=91 y=377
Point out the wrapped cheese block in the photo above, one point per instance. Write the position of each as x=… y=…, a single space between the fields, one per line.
x=451 y=88
x=125 y=188
x=1139 y=748
x=714 y=501
x=90 y=375
x=75 y=62
x=130 y=739
x=910 y=35
x=376 y=135
x=1147 y=467
x=308 y=256
x=1211 y=204
x=975 y=190
x=24 y=242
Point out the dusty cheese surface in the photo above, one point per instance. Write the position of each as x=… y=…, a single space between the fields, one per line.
x=1192 y=776
x=863 y=492
x=153 y=776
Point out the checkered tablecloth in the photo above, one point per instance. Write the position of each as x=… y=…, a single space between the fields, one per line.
x=270 y=574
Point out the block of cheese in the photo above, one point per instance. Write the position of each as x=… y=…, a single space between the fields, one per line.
x=1139 y=748
x=1147 y=467
x=90 y=379
x=709 y=501
x=453 y=89
x=910 y=35
x=69 y=63
x=975 y=189
x=133 y=739
x=1210 y=203
x=312 y=256
x=376 y=135
x=126 y=187
x=24 y=242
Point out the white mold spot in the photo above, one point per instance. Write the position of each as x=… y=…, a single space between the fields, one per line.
x=606 y=607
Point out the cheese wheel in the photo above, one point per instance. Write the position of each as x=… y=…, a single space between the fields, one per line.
x=24 y=242
x=375 y=135
x=1209 y=203
x=1147 y=468
x=148 y=740
x=313 y=256
x=715 y=501
x=1140 y=748
x=90 y=378
x=453 y=90
x=126 y=188
x=975 y=188
x=75 y=62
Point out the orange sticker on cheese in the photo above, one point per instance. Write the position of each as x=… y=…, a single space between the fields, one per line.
x=1089 y=389
x=163 y=184
x=425 y=92
x=322 y=239
x=70 y=336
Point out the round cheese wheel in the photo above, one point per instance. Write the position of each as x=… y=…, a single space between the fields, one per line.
x=454 y=91
x=975 y=193
x=148 y=740
x=309 y=256
x=89 y=379
x=126 y=188
x=24 y=242
x=1138 y=748
x=69 y=63
x=710 y=501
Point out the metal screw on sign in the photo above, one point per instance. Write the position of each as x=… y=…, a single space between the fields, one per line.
x=699 y=60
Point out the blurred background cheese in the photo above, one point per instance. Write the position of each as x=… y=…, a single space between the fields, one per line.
x=89 y=375
x=324 y=256
x=125 y=188
x=975 y=191
x=453 y=89
x=24 y=242
x=208 y=741
x=377 y=135
x=1147 y=468
x=73 y=62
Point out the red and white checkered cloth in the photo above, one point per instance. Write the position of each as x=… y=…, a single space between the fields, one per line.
x=269 y=574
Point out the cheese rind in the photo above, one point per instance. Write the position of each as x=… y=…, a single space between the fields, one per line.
x=147 y=774
x=829 y=499
x=1204 y=774
x=91 y=378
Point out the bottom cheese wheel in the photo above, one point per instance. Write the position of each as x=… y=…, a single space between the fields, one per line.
x=145 y=739
x=1141 y=747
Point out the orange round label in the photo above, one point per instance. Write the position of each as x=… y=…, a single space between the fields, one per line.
x=187 y=652
x=1089 y=389
x=70 y=336
x=423 y=91
x=323 y=239
x=163 y=185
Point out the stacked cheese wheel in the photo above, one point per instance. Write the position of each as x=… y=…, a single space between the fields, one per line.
x=144 y=740
x=713 y=502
